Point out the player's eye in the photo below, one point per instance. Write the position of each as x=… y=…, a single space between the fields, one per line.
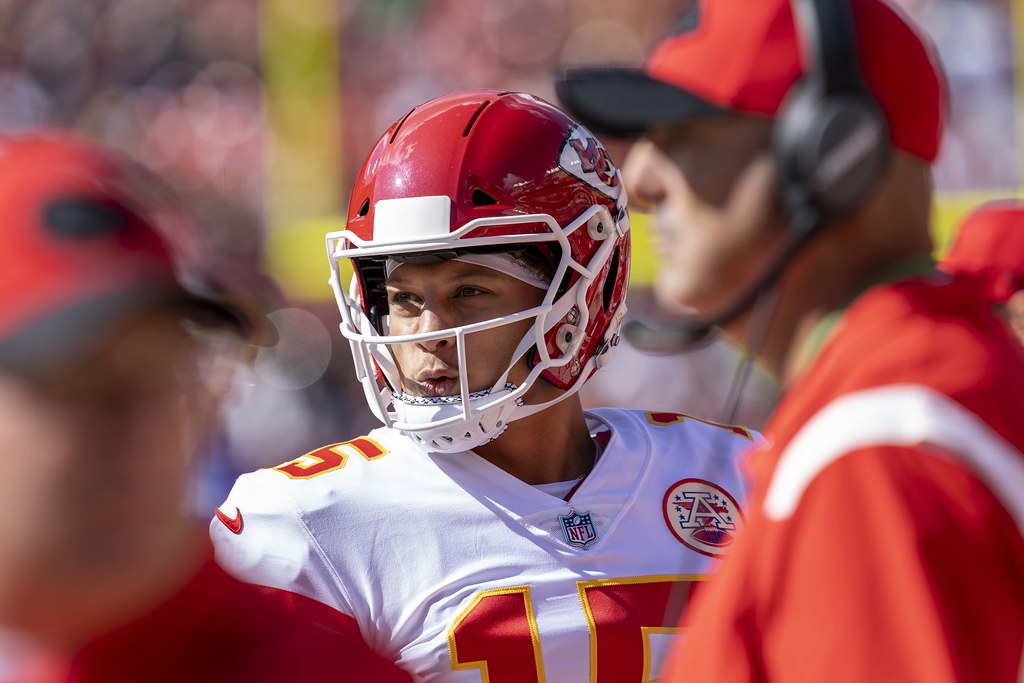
x=469 y=291
x=399 y=298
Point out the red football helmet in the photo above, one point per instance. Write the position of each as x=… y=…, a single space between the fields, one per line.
x=486 y=171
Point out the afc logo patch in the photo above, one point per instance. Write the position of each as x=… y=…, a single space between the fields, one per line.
x=703 y=516
x=578 y=528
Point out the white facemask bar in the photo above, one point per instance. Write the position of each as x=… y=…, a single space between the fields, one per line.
x=369 y=346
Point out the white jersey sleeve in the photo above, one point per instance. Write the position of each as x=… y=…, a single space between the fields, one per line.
x=277 y=549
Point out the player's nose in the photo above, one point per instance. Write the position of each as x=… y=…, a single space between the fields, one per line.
x=434 y=320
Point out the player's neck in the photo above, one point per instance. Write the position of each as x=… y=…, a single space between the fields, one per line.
x=552 y=446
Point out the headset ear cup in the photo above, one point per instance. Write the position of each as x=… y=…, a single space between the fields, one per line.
x=832 y=151
x=790 y=146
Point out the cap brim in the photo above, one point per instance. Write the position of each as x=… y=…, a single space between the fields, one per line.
x=626 y=102
x=59 y=340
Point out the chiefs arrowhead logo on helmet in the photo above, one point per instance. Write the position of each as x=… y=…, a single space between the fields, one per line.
x=584 y=157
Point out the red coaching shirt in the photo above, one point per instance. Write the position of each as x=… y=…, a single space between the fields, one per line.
x=884 y=536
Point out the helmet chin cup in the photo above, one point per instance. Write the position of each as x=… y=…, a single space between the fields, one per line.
x=448 y=424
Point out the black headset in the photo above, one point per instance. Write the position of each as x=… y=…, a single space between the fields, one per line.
x=831 y=137
x=831 y=145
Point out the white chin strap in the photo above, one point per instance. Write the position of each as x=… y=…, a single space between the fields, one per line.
x=450 y=432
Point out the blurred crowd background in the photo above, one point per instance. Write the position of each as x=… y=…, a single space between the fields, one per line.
x=260 y=112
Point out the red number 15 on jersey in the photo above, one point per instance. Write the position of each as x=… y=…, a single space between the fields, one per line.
x=497 y=633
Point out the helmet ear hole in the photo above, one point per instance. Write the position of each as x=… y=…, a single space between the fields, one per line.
x=481 y=198
x=609 y=282
x=364 y=208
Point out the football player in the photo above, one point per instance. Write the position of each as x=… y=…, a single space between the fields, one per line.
x=492 y=530
x=114 y=352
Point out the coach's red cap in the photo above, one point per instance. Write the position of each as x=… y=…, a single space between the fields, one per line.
x=990 y=245
x=80 y=252
x=744 y=56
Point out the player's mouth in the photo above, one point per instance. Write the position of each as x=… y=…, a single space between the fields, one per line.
x=437 y=384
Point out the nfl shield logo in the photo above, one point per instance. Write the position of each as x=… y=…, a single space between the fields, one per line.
x=578 y=528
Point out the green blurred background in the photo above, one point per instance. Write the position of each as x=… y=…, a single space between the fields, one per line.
x=260 y=111
x=342 y=72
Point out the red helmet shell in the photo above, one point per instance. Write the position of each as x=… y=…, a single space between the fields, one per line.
x=496 y=153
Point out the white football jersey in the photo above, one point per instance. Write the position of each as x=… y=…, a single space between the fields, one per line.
x=461 y=572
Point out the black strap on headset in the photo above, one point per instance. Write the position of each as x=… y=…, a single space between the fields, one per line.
x=834 y=64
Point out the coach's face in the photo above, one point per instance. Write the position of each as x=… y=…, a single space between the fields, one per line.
x=711 y=188
x=93 y=480
x=434 y=297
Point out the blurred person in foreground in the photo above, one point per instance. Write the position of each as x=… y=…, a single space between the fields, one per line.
x=492 y=529
x=989 y=244
x=883 y=538
x=113 y=358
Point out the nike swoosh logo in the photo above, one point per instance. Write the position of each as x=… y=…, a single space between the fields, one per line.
x=234 y=524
